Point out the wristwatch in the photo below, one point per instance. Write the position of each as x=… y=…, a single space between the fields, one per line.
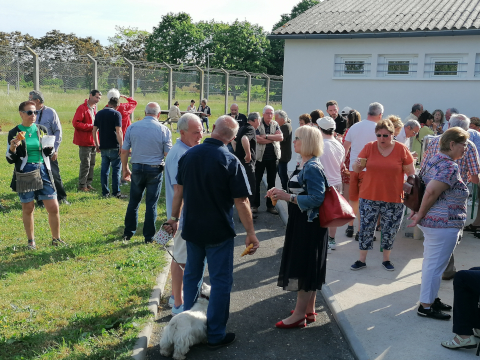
x=173 y=218
x=292 y=198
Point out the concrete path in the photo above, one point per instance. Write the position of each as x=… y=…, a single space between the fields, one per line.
x=257 y=304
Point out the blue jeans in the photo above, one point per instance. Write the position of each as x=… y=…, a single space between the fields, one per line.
x=48 y=191
x=205 y=119
x=283 y=174
x=220 y=269
x=149 y=178
x=110 y=157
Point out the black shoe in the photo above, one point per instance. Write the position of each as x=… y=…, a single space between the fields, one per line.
x=356 y=236
x=40 y=204
x=432 y=313
x=254 y=216
x=227 y=340
x=148 y=241
x=125 y=238
x=64 y=202
x=121 y=196
x=440 y=306
x=349 y=231
x=272 y=210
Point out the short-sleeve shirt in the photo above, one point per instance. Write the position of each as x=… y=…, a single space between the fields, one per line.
x=205 y=110
x=248 y=131
x=286 y=143
x=241 y=119
x=171 y=170
x=474 y=137
x=383 y=180
x=106 y=121
x=212 y=178
x=331 y=160
x=450 y=209
x=359 y=135
x=269 y=153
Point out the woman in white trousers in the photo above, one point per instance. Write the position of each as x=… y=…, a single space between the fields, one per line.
x=441 y=216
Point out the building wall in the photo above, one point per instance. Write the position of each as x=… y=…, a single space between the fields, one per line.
x=309 y=80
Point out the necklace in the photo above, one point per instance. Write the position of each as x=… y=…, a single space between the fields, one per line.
x=381 y=152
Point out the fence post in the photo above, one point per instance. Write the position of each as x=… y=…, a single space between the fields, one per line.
x=268 y=88
x=249 y=88
x=17 y=85
x=36 y=69
x=170 y=84
x=8 y=89
x=226 y=90
x=132 y=83
x=202 y=79
x=95 y=71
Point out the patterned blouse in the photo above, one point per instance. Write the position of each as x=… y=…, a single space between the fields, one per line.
x=450 y=209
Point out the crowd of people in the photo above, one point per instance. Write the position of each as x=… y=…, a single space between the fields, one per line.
x=368 y=161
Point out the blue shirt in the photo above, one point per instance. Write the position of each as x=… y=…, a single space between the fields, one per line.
x=107 y=120
x=48 y=117
x=475 y=138
x=212 y=178
x=171 y=170
x=149 y=140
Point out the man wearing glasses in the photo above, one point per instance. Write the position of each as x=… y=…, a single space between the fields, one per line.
x=410 y=129
x=48 y=117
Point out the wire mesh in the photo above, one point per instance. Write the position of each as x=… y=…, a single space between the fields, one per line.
x=258 y=92
x=150 y=79
x=214 y=84
x=60 y=72
x=16 y=67
x=186 y=86
x=276 y=90
x=113 y=73
x=238 y=88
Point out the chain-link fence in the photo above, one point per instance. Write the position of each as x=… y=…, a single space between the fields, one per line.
x=69 y=72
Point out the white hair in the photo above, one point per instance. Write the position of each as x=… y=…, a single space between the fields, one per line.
x=375 y=109
x=226 y=127
x=113 y=93
x=460 y=120
x=186 y=119
x=152 y=108
x=412 y=124
x=268 y=107
x=282 y=114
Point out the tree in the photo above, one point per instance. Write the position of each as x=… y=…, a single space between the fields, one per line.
x=129 y=42
x=276 y=53
x=175 y=40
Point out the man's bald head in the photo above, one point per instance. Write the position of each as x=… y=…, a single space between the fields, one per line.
x=225 y=129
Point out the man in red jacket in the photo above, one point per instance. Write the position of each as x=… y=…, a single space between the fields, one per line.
x=83 y=137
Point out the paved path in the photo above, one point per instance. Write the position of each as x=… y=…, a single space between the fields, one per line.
x=257 y=304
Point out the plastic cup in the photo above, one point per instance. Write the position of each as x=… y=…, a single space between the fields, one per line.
x=48 y=141
x=363 y=162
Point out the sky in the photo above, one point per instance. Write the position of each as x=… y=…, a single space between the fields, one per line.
x=98 y=18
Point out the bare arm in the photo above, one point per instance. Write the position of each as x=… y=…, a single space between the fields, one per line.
x=94 y=133
x=409 y=169
x=246 y=147
x=177 y=205
x=243 y=207
x=119 y=133
x=347 y=145
x=474 y=179
x=124 y=158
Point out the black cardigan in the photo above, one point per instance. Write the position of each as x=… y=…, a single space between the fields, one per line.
x=17 y=157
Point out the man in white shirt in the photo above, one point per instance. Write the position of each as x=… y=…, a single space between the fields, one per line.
x=417 y=109
x=410 y=129
x=357 y=137
x=448 y=114
x=332 y=159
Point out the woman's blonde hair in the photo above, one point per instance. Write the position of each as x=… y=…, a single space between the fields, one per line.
x=455 y=134
x=312 y=141
x=385 y=124
x=396 y=121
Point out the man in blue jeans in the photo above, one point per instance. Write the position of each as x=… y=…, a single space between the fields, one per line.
x=210 y=180
x=108 y=122
x=150 y=142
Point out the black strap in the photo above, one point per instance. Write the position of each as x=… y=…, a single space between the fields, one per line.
x=423 y=171
x=40 y=117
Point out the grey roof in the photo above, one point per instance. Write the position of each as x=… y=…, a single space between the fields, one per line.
x=384 y=16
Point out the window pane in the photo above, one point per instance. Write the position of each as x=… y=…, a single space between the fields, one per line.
x=398 y=67
x=446 y=68
x=354 y=67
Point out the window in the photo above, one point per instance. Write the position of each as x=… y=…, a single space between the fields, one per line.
x=398 y=68
x=352 y=66
x=477 y=66
x=446 y=68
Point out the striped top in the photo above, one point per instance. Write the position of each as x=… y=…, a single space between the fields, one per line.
x=450 y=209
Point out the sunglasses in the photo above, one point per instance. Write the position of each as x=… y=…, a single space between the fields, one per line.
x=29 y=112
x=384 y=135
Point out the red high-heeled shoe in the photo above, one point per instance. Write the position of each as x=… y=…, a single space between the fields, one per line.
x=297 y=324
x=307 y=315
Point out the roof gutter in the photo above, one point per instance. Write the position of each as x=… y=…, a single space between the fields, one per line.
x=390 y=34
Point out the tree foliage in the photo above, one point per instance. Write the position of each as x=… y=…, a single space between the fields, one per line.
x=129 y=42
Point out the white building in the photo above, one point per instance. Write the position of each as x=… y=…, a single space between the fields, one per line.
x=395 y=52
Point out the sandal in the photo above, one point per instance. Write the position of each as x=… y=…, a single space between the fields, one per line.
x=468 y=343
x=58 y=242
x=471 y=228
x=31 y=245
x=307 y=316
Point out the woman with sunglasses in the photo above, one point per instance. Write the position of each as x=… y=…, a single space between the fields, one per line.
x=28 y=156
x=386 y=161
x=304 y=256
x=441 y=217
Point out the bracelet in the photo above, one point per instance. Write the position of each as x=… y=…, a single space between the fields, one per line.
x=292 y=198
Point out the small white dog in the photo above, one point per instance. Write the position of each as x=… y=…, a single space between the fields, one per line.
x=186 y=329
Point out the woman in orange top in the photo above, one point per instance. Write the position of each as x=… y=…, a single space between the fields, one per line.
x=381 y=192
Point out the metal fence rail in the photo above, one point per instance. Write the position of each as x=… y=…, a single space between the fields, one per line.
x=67 y=71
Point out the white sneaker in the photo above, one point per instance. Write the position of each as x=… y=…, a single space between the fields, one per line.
x=331 y=243
x=176 y=311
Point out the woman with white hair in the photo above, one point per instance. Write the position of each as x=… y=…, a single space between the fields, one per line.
x=304 y=257
x=125 y=109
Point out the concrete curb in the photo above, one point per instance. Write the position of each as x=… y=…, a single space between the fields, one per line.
x=141 y=345
x=340 y=317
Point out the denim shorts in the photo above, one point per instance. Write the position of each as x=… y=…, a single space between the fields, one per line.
x=48 y=191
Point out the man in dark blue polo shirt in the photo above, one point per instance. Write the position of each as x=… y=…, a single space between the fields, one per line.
x=210 y=181
x=109 y=123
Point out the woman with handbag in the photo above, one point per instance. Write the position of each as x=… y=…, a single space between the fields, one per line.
x=386 y=161
x=32 y=176
x=441 y=217
x=303 y=266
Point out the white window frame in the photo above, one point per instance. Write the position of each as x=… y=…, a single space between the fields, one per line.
x=432 y=59
x=382 y=65
x=477 y=66
x=339 y=66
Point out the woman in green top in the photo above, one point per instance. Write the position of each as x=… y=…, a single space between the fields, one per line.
x=428 y=128
x=28 y=156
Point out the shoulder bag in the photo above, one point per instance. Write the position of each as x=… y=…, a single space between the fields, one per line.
x=32 y=180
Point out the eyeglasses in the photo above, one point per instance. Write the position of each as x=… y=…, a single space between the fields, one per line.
x=465 y=144
x=297 y=138
x=29 y=112
x=384 y=135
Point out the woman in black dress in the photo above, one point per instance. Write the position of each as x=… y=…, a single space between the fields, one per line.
x=304 y=255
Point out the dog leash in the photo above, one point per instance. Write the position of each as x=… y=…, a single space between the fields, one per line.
x=199 y=286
